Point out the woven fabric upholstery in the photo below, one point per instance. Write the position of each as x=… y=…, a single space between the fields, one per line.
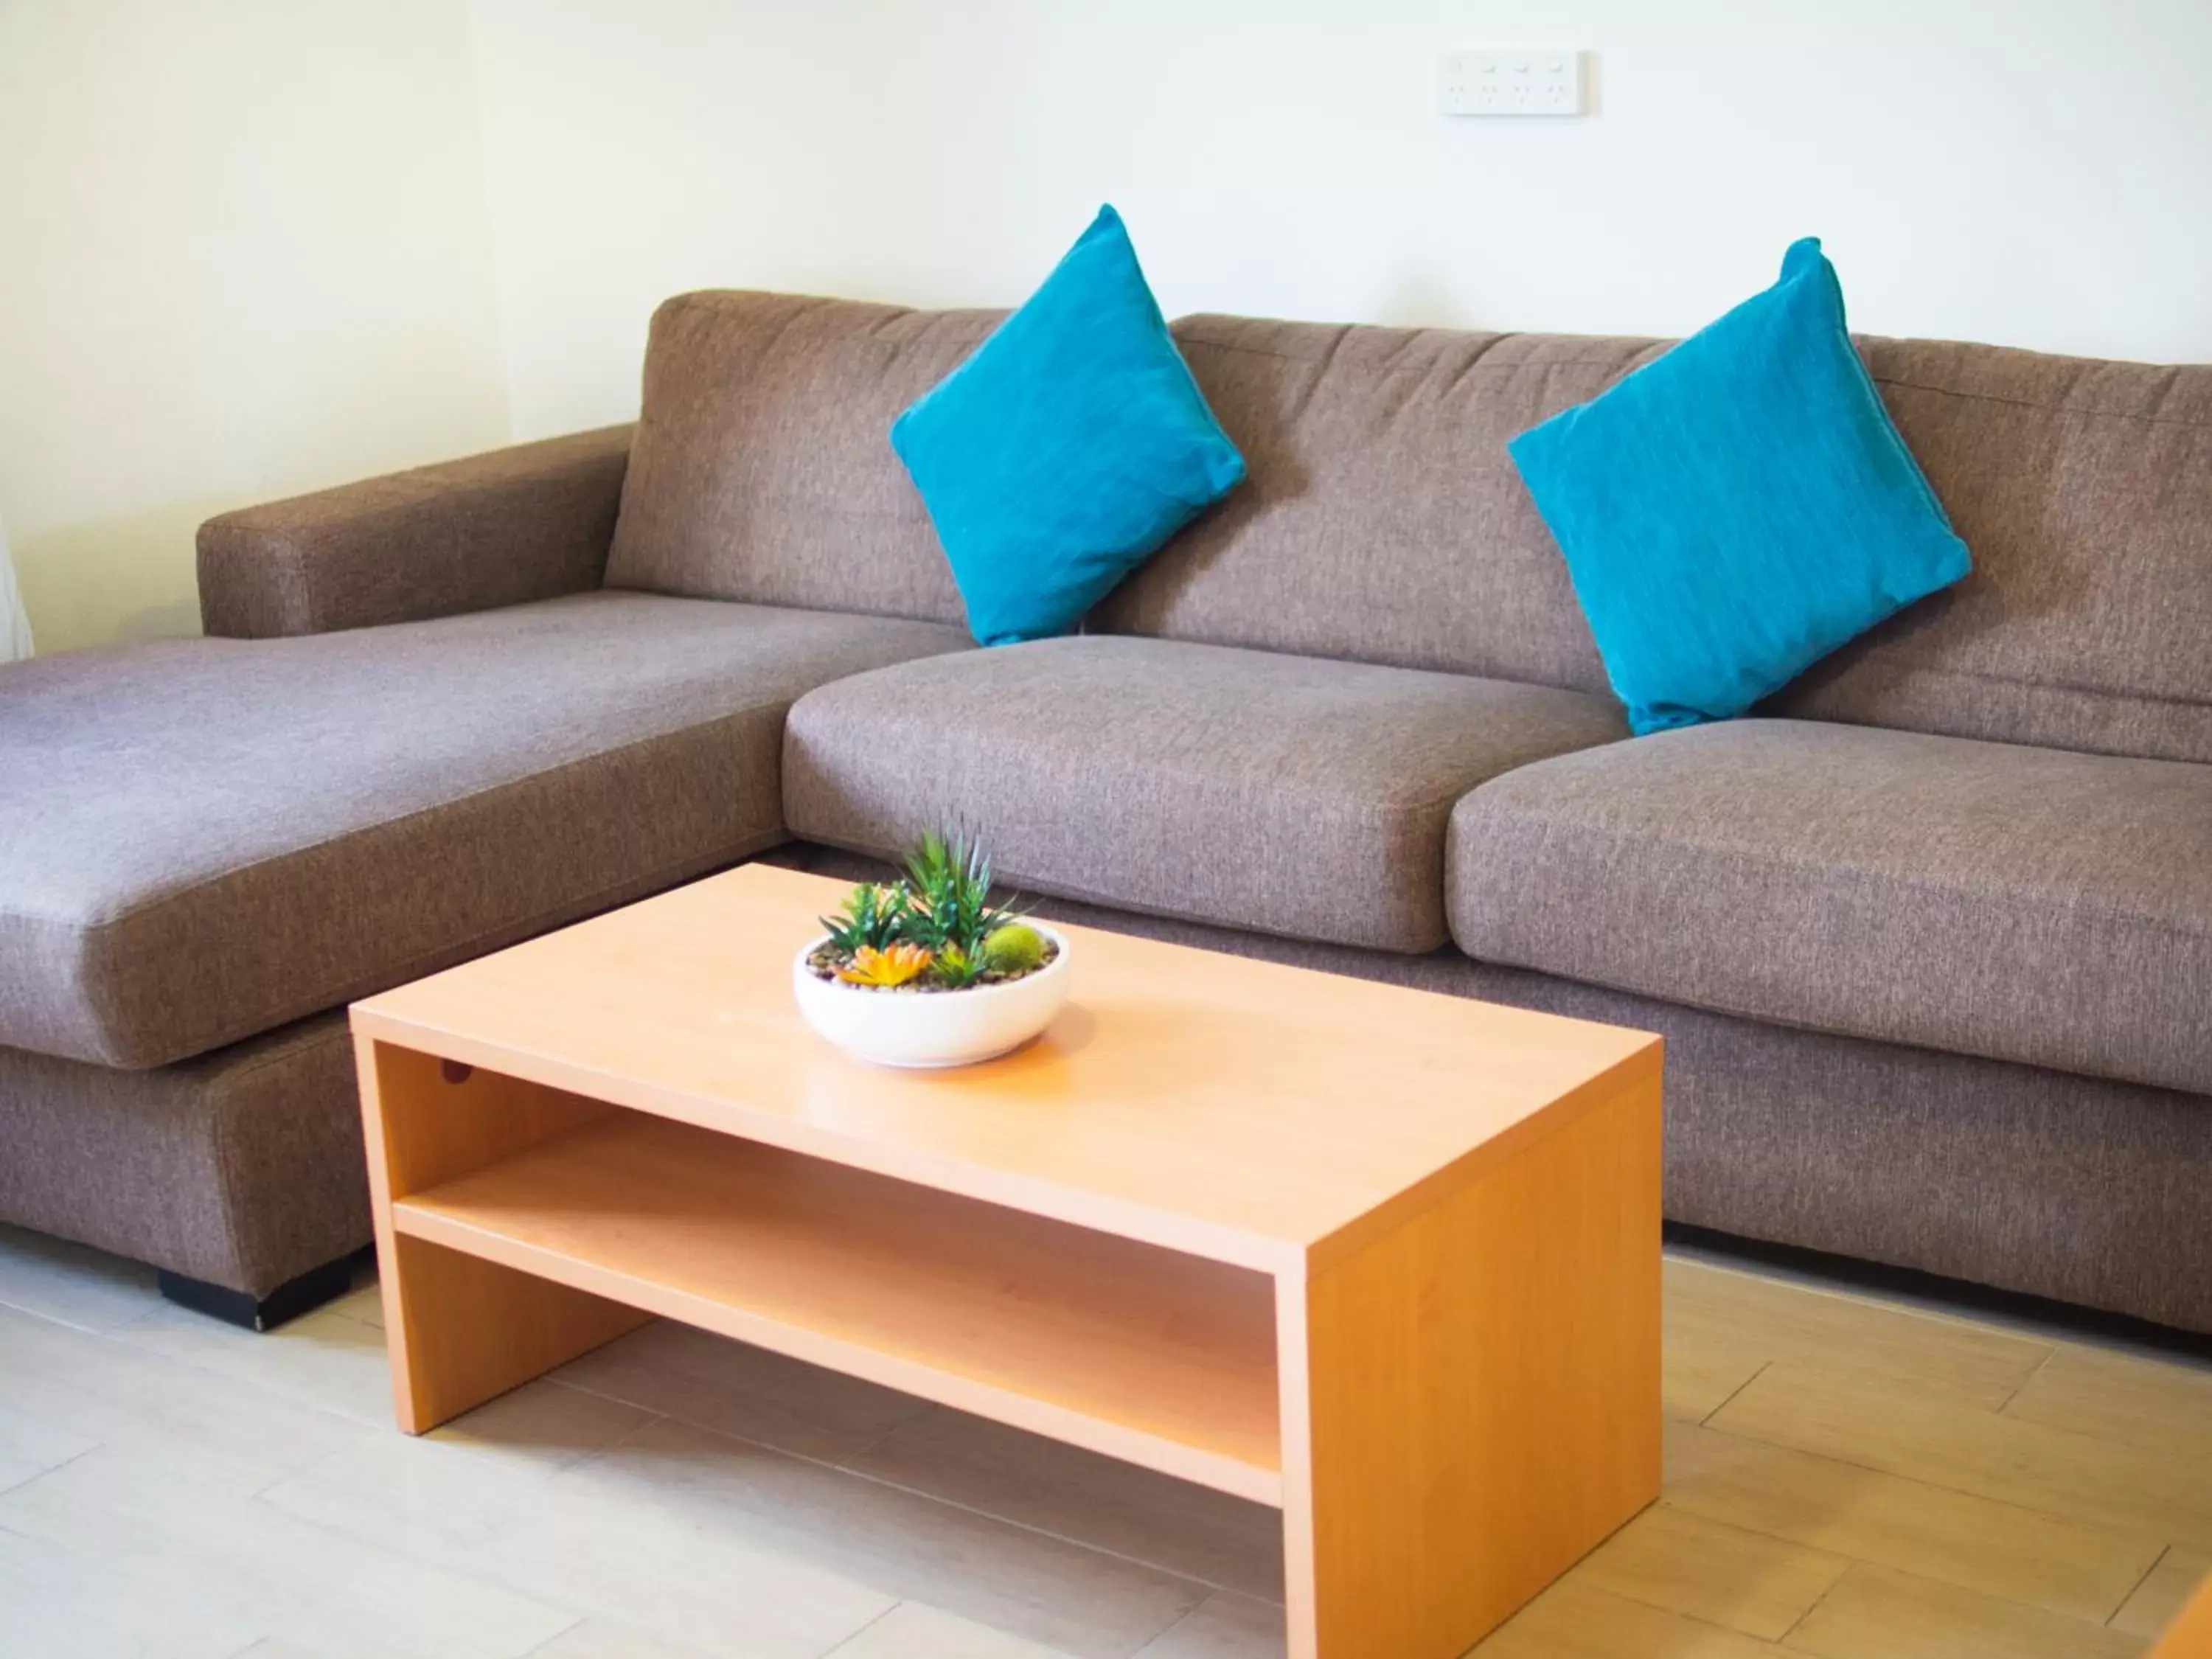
x=763 y=469
x=208 y=838
x=530 y=522
x=2019 y=903
x=1382 y=521
x=243 y=1167
x=2084 y=489
x=1282 y=793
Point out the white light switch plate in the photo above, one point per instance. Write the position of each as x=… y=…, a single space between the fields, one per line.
x=1511 y=81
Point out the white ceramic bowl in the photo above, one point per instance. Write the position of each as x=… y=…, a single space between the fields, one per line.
x=931 y=1028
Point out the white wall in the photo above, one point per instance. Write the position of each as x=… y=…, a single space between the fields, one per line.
x=245 y=251
x=2029 y=172
x=253 y=246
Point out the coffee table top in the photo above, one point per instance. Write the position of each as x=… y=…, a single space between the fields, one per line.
x=1252 y=1112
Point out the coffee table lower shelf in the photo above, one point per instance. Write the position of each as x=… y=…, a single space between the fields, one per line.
x=1448 y=1412
x=1145 y=1354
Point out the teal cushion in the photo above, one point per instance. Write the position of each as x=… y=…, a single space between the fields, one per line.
x=1738 y=508
x=1069 y=446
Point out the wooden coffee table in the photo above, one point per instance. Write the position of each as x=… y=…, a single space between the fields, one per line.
x=1387 y=1260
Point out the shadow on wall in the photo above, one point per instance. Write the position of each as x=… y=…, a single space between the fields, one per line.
x=126 y=578
x=14 y=626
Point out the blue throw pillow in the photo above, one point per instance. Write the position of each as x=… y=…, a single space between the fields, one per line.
x=1735 y=510
x=1069 y=446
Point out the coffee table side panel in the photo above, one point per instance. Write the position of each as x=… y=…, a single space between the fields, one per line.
x=462 y=1330
x=1471 y=1402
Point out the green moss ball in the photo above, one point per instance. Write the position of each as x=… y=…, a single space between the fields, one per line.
x=1014 y=949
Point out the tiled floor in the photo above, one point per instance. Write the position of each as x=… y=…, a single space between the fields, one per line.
x=1846 y=1478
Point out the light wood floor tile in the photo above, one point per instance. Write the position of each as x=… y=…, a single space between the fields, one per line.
x=31 y=1445
x=161 y=1528
x=1733 y=1312
x=600 y=1638
x=1188 y=1530
x=2157 y=1601
x=911 y=1548
x=70 y=1283
x=2009 y=1459
x=59 y=1603
x=2163 y=1407
x=542 y=1426
x=1699 y=1371
x=910 y=1631
x=734 y=1389
x=365 y=1302
x=1225 y=1625
x=1879 y=1614
x=519 y=1520
x=1679 y=1560
x=127 y=1399
x=323 y=1359
x=1572 y=1620
x=172 y=1488
x=1823 y=1504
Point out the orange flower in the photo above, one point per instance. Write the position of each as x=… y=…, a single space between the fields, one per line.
x=893 y=965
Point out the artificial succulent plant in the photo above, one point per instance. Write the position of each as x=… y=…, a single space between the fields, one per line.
x=934 y=929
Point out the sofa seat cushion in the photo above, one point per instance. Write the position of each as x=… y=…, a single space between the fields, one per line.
x=203 y=839
x=1286 y=794
x=2023 y=904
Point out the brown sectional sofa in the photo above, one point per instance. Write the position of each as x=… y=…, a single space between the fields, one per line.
x=1930 y=940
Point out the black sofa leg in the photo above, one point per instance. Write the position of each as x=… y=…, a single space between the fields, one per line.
x=288 y=1301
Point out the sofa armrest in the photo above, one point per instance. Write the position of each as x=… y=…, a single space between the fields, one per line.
x=528 y=522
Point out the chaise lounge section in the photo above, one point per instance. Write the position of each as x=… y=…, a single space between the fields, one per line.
x=220 y=842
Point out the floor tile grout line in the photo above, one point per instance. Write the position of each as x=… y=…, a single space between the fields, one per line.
x=2005 y=1406
x=2136 y=1589
x=2073 y=1520
x=1175 y=1624
x=2027 y=1424
x=1706 y=1420
x=878 y=1441
x=1672 y=1612
x=1820 y=1601
x=580 y=1619
x=33 y=1478
x=1665 y=1502
x=847 y=1640
x=403 y=1555
x=46 y=1318
x=2069 y=1619
x=303 y=1400
x=1178 y=1574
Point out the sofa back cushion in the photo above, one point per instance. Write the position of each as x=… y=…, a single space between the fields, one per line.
x=1382 y=521
x=2084 y=489
x=761 y=468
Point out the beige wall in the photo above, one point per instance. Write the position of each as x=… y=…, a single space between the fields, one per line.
x=2029 y=172
x=244 y=251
